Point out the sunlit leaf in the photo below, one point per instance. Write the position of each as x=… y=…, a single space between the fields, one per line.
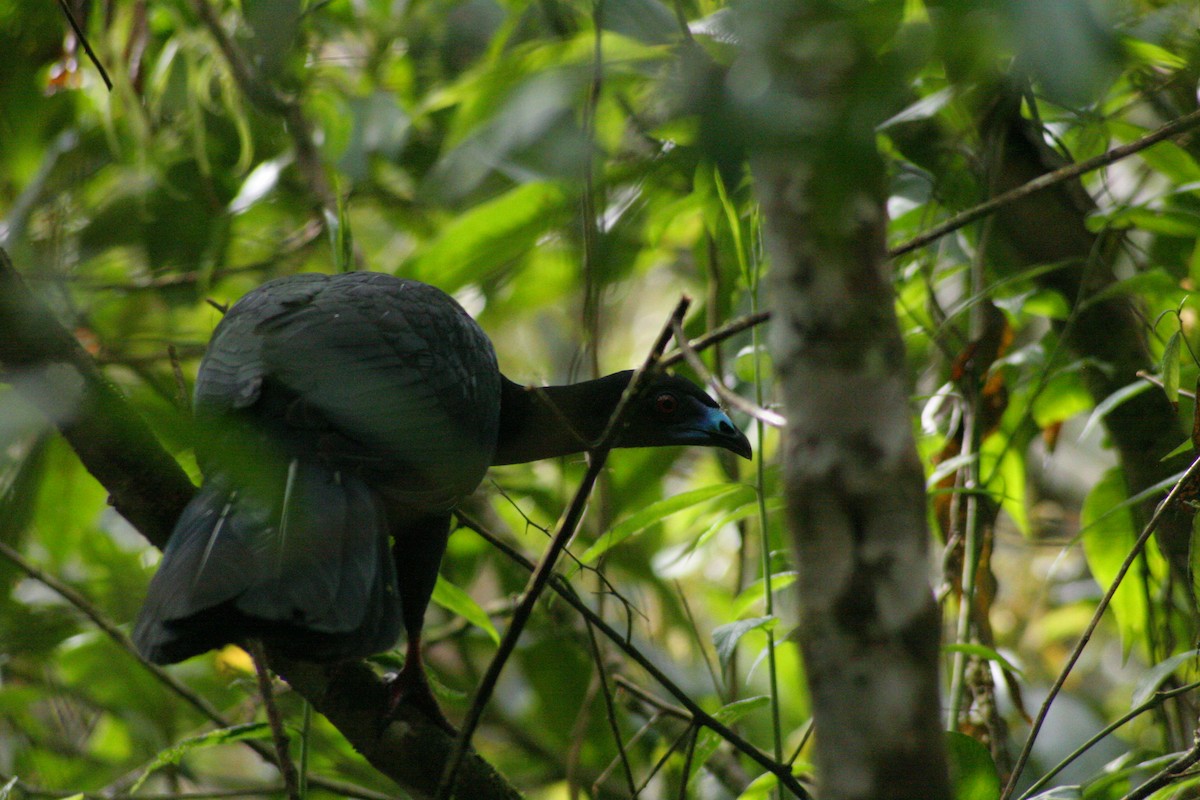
x=456 y=601
x=982 y=651
x=707 y=741
x=1108 y=534
x=726 y=637
x=1170 y=369
x=657 y=512
x=173 y=755
x=973 y=774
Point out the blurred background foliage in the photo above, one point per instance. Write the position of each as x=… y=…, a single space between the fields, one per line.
x=567 y=171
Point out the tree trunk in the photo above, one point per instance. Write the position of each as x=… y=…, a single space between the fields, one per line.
x=855 y=487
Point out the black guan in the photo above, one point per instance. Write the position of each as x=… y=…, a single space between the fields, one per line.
x=342 y=418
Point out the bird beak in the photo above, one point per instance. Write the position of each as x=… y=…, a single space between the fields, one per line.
x=723 y=433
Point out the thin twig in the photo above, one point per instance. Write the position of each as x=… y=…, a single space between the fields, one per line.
x=545 y=569
x=695 y=630
x=633 y=740
x=278 y=736
x=610 y=709
x=206 y=709
x=1157 y=381
x=717 y=335
x=702 y=717
x=1157 y=699
x=1095 y=621
x=182 y=398
x=685 y=774
x=87 y=46
x=765 y=415
x=1174 y=128
x=662 y=760
x=1174 y=771
x=659 y=705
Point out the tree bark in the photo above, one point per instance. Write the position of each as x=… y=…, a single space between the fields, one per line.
x=855 y=487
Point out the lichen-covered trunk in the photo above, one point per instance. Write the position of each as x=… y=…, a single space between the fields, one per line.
x=855 y=487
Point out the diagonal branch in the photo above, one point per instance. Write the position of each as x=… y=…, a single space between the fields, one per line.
x=692 y=708
x=545 y=568
x=1046 y=181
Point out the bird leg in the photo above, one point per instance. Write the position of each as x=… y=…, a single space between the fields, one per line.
x=410 y=687
x=419 y=540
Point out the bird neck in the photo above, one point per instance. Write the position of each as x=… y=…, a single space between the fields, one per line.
x=548 y=421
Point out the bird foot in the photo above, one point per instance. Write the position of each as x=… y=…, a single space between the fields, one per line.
x=410 y=688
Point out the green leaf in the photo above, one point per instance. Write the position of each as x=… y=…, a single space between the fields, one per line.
x=1152 y=54
x=656 y=512
x=173 y=755
x=479 y=241
x=1170 y=369
x=984 y=652
x=1060 y=793
x=1165 y=222
x=456 y=601
x=973 y=774
x=743 y=511
x=1108 y=535
x=707 y=741
x=1003 y=468
x=1063 y=396
x=764 y=786
x=753 y=593
x=725 y=637
x=1185 y=446
x=1150 y=683
x=1112 y=401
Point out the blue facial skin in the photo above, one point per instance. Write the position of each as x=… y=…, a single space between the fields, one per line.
x=717 y=428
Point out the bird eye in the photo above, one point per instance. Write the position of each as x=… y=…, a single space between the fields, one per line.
x=666 y=404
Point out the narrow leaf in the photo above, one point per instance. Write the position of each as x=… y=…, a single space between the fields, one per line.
x=173 y=755
x=726 y=637
x=456 y=601
x=656 y=512
x=1112 y=401
x=984 y=652
x=1108 y=534
x=707 y=741
x=1170 y=369
x=1153 y=680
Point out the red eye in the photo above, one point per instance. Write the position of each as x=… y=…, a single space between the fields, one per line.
x=666 y=404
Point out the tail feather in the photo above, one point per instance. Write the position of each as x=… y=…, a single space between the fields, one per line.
x=306 y=567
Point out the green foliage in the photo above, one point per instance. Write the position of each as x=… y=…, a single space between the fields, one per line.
x=567 y=204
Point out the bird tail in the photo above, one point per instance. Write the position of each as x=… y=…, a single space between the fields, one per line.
x=299 y=558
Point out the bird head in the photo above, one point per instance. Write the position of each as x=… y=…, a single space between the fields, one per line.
x=674 y=411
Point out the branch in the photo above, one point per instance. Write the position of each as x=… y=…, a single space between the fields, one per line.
x=698 y=714
x=49 y=368
x=545 y=569
x=756 y=411
x=1042 y=182
x=44 y=362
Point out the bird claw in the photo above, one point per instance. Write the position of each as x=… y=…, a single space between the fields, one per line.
x=410 y=688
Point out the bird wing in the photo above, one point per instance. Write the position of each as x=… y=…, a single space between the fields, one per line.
x=382 y=375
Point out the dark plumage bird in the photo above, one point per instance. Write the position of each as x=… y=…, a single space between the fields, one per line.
x=345 y=416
